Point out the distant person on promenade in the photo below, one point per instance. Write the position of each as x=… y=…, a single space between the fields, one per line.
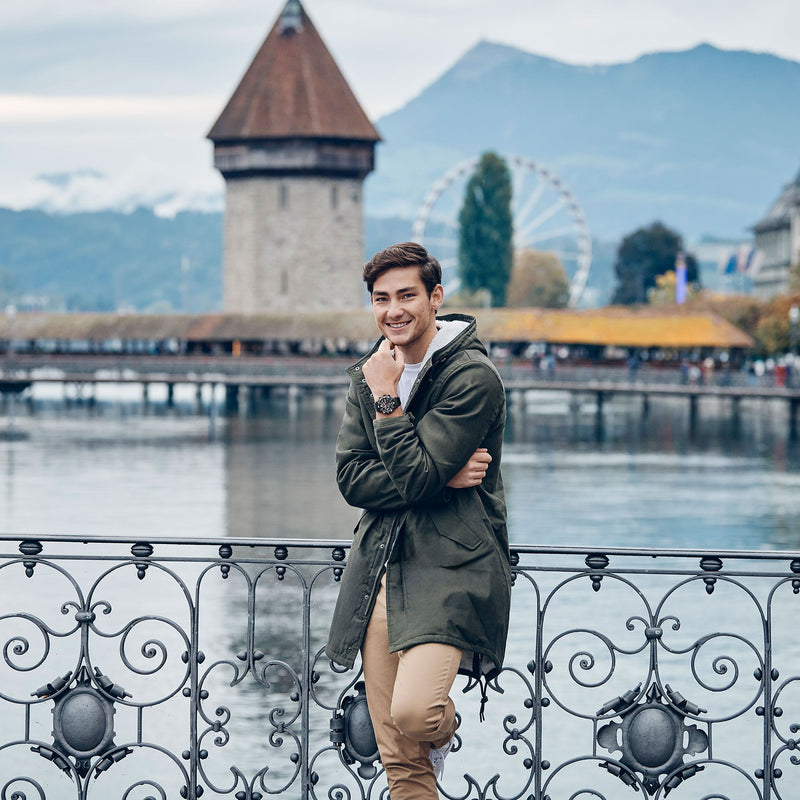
x=634 y=362
x=426 y=591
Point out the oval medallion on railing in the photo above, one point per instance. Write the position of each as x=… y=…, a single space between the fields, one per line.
x=652 y=737
x=83 y=721
x=354 y=732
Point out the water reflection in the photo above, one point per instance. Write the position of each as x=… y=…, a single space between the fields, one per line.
x=647 y=481
x=279 y=475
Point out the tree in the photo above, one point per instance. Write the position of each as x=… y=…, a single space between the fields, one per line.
x=642 y=256
x=794 y=278
x=773 y=333
x=538 y=280
x=486 y=227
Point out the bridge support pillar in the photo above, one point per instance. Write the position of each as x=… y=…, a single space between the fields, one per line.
x=170 y=395
x=645 y=406
x=231 y=398
x=253 y=400
x=794 y=404
x=736 y=414
x=693 y=404
x=212 y=413
x=598 y=416
x=198 y=398
x=146 y=395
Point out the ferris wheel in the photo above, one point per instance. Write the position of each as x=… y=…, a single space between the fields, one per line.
x=546 y=217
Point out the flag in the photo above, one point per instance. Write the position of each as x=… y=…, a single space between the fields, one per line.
x=730 y=264
x=754 y=262
x=745 y=252
x=680 y=278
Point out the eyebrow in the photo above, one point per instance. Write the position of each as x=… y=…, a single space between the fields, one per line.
x=399 y=291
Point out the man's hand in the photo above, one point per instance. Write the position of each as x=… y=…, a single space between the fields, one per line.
x=473 y=472
x=383 y=369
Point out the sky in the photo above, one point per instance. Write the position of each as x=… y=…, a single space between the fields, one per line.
x=120 y=94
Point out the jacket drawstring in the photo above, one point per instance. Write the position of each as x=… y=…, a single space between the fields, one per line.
x=484 y=684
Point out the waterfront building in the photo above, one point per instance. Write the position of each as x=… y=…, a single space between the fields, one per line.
x=294 y=147
x=778 y=238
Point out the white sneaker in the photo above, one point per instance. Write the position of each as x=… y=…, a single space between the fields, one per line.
x=438 y=755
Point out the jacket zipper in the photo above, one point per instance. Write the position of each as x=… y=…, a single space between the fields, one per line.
x=393 y=540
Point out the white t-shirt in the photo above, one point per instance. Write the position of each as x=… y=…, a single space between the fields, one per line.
x=410 y=372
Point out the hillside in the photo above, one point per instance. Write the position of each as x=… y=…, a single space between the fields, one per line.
x=98 y=261
x=702 y=139
x=102 y=261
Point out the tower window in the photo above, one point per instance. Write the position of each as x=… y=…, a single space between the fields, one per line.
x=283 y=196
x=334 y=196
x=284 y=282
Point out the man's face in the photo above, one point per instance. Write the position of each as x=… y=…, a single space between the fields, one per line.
x=405 y=313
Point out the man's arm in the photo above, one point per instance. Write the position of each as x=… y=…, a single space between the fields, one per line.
x=360 y=473
x=422 y=456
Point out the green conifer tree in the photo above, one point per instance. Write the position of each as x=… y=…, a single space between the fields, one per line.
x=485 y=252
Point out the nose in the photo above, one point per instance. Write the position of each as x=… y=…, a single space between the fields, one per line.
x=395 y=309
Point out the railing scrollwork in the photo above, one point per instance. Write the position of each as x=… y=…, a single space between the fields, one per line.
x=158 y=668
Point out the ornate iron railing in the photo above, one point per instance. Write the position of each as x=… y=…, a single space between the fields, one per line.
x=170 y=668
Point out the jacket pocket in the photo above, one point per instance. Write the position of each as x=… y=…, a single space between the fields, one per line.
x=453 y=526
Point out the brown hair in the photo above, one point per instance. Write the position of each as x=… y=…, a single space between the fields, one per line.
x=407 y=254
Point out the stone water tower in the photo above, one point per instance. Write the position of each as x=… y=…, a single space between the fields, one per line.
x=294 y=147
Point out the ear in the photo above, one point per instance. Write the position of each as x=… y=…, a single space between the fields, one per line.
x=437 y=296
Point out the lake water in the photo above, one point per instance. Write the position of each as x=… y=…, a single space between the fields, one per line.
x=113 y=469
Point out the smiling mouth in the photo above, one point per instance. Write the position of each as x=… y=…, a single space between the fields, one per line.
x=396 y=326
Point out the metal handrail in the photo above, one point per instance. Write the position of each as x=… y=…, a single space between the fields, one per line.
x=166 y=667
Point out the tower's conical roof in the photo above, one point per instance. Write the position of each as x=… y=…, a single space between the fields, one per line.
x=293 y=88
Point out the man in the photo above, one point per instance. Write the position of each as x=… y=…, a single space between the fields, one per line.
x=426 y=591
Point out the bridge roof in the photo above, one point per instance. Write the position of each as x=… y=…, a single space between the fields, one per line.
x=615 y=326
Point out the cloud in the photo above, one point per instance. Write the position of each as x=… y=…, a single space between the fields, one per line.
x=106 y=84
x=142 y=183
x=49 y=108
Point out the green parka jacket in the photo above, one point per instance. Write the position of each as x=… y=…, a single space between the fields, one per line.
x=445 y=551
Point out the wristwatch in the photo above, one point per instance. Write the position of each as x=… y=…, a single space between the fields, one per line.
x=385 y=404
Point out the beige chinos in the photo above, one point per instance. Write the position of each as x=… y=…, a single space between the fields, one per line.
x=409 y=704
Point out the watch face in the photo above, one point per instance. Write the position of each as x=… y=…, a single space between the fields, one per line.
x=385 y=404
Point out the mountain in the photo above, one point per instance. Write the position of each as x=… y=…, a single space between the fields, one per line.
x=701 y=139
x=99 y=261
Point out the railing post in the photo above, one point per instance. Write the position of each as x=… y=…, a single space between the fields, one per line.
x=305 y=777
x=194 y=688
